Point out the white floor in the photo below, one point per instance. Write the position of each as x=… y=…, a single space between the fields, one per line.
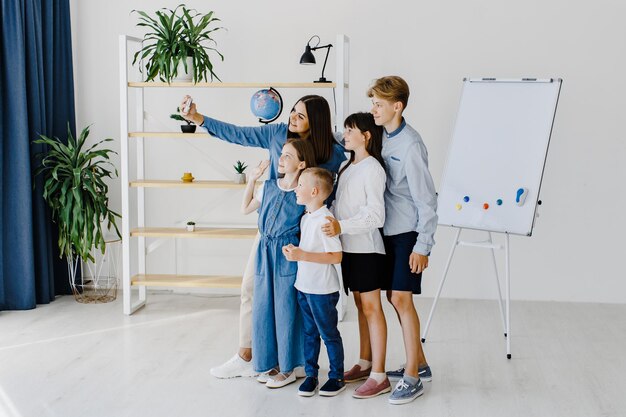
x=66 y=359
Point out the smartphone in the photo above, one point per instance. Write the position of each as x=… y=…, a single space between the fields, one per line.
x=187 y=105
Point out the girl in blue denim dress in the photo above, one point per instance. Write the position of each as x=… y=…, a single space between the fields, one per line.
x=277 y=338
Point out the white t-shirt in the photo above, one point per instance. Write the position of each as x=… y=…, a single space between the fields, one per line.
x=360 y=206
x=314 y=278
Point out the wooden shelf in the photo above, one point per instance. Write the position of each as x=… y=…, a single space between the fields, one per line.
x=168 y=135
x=231 y=85
x=199 y=233
x=134 y=205
x=203 y=281
x=180 y=184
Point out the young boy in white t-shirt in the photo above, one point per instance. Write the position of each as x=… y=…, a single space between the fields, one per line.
x=317 y=283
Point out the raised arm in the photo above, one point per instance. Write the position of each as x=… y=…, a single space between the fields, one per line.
x=249 y=203
x=258 y=136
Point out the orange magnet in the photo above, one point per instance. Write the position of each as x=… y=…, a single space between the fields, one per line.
x=485 y=206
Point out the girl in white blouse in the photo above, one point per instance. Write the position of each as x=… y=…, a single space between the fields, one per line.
x=359 y=210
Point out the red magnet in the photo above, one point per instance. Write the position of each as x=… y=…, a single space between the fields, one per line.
x=485 y=206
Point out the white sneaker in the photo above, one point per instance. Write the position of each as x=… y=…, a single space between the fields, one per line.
x=299 y=371
x=265 y=376
x=281 y=380
x=233 y=368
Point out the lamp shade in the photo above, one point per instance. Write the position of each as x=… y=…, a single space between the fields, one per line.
x=307 y=57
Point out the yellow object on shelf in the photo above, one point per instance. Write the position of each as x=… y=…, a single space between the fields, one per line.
x=187 y=177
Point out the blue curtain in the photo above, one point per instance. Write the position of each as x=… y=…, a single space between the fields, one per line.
x=37 y=97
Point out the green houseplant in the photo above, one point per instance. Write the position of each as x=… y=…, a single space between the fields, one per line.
x=177 y=39
x=76 y=191
x=240 y=176
x=189 y=127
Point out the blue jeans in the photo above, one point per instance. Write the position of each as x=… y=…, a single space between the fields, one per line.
x=320 y=319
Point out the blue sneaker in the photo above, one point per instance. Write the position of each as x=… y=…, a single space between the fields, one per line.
x=424 y=373
x=405 y=393
x=332 y=387
x=308 y=387
x=397 y=374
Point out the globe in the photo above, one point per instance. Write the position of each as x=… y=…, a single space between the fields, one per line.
x=266 y=104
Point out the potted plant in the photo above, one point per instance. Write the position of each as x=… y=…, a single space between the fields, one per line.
x=191 y=226
x=189 y=127
x=240 y=176
x=76 y=191
x=177 y=44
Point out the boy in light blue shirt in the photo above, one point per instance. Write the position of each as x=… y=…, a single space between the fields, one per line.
x=410 y=224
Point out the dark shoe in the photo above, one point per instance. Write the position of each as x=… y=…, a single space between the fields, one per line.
x=424 y=373
x=332 y=387
x=308 y=387
x=356 y=374
x=396 y=374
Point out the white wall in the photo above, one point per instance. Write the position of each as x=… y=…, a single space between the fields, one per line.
x=575 y=252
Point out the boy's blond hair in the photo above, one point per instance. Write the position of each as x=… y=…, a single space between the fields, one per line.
x=322 y=179
x=391 y=88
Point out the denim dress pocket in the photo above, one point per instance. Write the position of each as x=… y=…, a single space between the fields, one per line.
x=287 y=268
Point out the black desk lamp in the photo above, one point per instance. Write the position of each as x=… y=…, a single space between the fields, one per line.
x=308 y=58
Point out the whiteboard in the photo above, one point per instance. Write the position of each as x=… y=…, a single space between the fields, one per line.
x=498 y=150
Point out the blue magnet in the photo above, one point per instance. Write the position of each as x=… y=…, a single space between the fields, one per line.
x=521 y=196
x=499 y=202
x=466 y=198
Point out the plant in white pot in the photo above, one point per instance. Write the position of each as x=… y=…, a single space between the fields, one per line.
x=76 y=191
x=240 y=175
x=177 y=45
x=191 y=226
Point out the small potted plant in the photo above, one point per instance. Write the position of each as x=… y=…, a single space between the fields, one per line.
x=191 y=226
x=240 y=176
x=189 y=127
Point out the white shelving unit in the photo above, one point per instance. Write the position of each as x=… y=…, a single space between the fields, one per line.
x=138 y=183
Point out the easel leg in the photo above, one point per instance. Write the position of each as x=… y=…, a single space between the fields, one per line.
x=495 y=270
x=443 y=280
x=508 y=296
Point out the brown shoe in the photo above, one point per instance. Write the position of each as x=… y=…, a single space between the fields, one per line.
x=372 y=389
x=356 y=374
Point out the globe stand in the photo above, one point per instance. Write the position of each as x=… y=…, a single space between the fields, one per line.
x=280 y=107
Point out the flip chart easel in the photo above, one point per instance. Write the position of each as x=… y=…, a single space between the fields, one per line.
x=495 y=166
